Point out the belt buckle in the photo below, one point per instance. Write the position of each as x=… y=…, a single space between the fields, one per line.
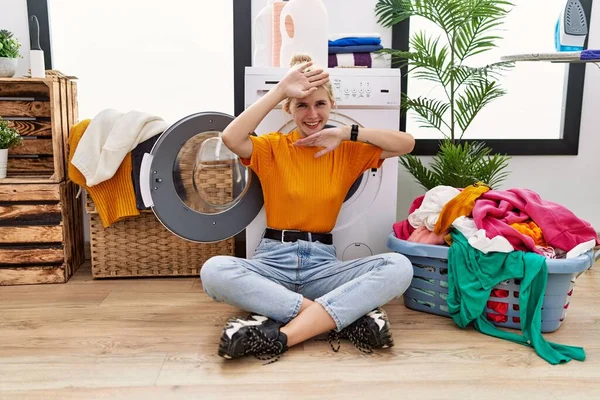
x=283 y=231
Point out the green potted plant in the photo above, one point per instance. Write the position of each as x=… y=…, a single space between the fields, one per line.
x=467 y=28
x=9 y=137
x=9 y=53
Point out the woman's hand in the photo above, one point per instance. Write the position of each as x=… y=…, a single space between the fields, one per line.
x=329 y=138
x=298 y=83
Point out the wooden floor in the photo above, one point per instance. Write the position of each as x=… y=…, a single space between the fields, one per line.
x=157 y=339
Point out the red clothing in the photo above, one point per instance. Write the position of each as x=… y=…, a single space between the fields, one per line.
x=495 y=210
x=403 y=229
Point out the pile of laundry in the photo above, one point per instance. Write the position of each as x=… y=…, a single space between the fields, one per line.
x=497 y=221
x=495 y=236
x=357 y=50
x=105 y=155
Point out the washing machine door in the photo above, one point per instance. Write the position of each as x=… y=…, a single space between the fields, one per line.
x=197 y=188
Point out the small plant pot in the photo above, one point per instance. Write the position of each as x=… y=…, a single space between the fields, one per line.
x=8 y=67
x=3 y=162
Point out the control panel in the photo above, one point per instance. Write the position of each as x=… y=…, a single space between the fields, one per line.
x=366 y=91
x=365 y=87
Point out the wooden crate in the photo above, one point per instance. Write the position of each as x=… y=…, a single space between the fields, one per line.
x=42 y=110
x=142 y=247
x=41 y=233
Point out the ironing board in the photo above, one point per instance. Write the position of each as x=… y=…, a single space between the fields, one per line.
x=572 y=57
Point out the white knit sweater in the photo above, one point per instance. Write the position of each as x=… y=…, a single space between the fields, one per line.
x=108 y=139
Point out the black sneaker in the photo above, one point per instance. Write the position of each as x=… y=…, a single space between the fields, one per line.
x=256 y=335
x=369 y=332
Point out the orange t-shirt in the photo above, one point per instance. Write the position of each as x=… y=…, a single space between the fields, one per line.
x=302 y=192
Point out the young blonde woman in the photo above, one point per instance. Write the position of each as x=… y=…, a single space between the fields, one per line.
x=294 y=285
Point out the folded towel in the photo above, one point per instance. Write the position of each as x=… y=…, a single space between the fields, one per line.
x=336 y=36
x=109 y=138
x=367 y=60
x=355 y=41
x=354 y=49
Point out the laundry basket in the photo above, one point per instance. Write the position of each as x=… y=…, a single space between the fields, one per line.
x=428 y=290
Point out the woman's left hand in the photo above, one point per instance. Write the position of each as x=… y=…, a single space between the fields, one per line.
x=329 y=138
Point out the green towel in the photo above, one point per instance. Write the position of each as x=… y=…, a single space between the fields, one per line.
x=472 y=275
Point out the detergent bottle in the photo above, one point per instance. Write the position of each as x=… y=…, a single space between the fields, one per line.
x=262 y=36
x=304 y=26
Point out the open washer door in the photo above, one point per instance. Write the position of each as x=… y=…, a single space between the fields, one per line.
x=197 y=188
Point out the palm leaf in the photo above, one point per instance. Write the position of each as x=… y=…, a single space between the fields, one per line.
x=422 y=175
x=474 y=98
x=432 y=57
x=463 y=74
x=471 y=36
x=462 y=164
x=443 y=13
x=469 y=39
x=453 y=164
x=470 y=27
x=430 y=112
x=399 y=57
x=415 y=61
x=493 y=169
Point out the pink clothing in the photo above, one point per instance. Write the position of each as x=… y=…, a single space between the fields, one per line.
x=403 y=229
x=495 y=210
x=425 y=236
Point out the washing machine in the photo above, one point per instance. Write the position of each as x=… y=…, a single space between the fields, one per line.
x=199 y=190
x=368 y=97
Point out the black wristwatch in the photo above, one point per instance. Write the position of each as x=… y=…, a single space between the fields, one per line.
x=354 y=133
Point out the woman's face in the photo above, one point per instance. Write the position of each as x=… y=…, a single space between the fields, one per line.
x=311 y=113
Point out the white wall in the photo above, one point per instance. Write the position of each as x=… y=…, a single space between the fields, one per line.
x=561 y=179
x=13 y=17
x=172 y=59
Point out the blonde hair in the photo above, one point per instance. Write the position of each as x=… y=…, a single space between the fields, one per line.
x=301 y=58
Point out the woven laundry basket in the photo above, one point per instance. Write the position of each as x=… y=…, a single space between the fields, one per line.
x=428 y=290
x=141 y=246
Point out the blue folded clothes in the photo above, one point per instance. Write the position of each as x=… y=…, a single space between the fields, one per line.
x=355 y=41
x=354 y=49
x=590 y=55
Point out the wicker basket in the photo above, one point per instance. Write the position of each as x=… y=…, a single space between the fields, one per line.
x=141 y=246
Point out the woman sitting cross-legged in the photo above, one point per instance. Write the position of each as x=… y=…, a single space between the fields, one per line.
x=295 y=286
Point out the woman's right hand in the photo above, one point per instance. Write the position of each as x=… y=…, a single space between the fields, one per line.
x=298 y=83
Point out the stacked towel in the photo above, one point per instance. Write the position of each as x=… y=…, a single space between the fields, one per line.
x=360 y=60
x=356 y=50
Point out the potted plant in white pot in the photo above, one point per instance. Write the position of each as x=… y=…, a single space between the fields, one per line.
x=9 y=137
x=467 y=28
x=9 y=53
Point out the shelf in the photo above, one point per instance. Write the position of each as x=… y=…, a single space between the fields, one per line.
x=26 y=180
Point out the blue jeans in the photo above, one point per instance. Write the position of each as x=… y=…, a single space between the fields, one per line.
x=280 y=275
